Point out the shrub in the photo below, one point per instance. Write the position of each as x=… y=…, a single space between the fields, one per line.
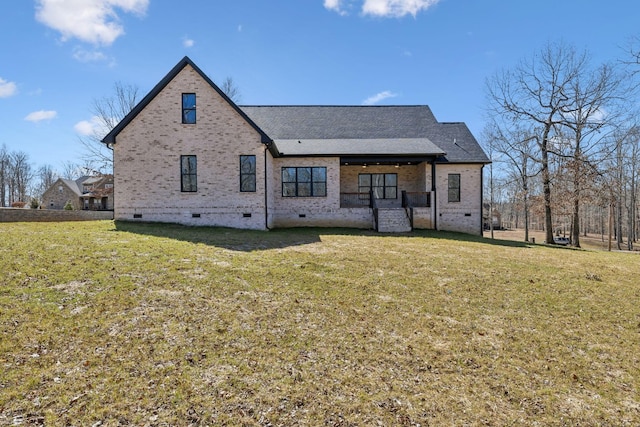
x=18 y=204
x=68 y=206
x=35 y=204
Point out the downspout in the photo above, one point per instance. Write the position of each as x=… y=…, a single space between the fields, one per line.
x=435 y=197
x=482 y=203
x=266 y=190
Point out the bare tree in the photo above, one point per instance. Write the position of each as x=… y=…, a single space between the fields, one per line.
x=46 y=177
x=4 y=175
x=106 y=113
x=589 y=122
x=537 y=93
x=20 y=176
x=515 y=148
x=231 y=90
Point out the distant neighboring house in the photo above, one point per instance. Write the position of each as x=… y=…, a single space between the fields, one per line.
x=188 y=154
x=87 y=192
x=494 y=214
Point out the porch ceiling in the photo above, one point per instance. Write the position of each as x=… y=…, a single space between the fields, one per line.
x=384 y=160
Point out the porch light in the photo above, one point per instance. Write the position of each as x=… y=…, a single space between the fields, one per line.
x=397 y=165
x=364 y=166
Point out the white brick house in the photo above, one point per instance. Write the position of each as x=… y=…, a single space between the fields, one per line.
x=187 y=154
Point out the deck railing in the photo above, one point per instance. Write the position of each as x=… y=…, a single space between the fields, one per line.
x=416 y=199
x=355 y=200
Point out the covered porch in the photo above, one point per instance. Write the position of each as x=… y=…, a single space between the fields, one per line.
x=392 y=183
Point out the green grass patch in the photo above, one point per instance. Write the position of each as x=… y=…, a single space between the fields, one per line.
x=123 y=323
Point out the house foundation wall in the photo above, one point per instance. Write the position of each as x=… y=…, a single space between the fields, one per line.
x=422 y=218
x=245 y=219
x=345 y=217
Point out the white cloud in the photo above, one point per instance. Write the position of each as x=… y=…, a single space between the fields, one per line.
x=95 y=127
x=335 y=5
x=382 y=8
x=379 y=97
x=38 y=116
x=93 y=21
x=396 y=8
x=187 y=42
x=84 y=128
x=83 y=55
x=7 y=89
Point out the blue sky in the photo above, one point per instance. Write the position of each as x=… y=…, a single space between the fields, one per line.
x=57 y=56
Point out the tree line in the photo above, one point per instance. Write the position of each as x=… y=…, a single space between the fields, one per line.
x=564 y=138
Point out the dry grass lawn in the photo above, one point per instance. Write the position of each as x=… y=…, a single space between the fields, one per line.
x=109 y=324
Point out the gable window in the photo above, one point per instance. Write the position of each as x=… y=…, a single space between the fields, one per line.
x=383 y=185
x=247 y=173
x=188 y=108
x=188 y=174
x=304 y=182
x=454 y=187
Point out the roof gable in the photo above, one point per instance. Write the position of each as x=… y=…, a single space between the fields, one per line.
x=110 y=138
x=69 y=183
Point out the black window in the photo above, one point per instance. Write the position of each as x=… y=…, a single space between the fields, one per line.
x=188 y=108
x=304 y=182
x=247 y=173
x=384 y=185
x=454 y=187
x=188 y=173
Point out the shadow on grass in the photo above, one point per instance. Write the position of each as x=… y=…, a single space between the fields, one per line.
x=254 y=240
x=228 y=238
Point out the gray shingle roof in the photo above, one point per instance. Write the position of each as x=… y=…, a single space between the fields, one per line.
x=73 y=185
x=327 y=130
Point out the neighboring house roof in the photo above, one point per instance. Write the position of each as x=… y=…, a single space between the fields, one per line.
x=110 y=138
x=73 y=185
x=366 y=130
x=98 y=193
x=89 y=180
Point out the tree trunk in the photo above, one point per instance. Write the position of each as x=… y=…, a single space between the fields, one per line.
x=546 y=186
x=575 y=222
